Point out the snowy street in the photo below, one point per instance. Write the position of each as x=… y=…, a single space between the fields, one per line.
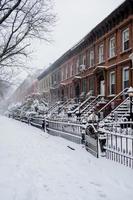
x=38 y=166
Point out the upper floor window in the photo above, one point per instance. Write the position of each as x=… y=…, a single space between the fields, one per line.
x=55 y=78
x=80 y=59
x=71 y=70
x=49 y=81
x=125 y=39
x=84 y=60
x=46 y=83
x=59 y=75
x=112 y=82
x=52 y=79
x=101 y=53
x=68 y=70
x=91 y=58
x=77 y=66
x=112 y=47
x=62 y=74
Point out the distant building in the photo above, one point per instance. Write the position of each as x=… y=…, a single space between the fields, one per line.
x=44 y=84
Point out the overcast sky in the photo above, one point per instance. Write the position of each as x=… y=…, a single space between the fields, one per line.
x=75 y=19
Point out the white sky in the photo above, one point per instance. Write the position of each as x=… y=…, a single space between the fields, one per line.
x=75 y=19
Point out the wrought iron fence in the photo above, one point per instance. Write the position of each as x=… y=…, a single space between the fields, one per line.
x=71 y=131
x=37 y=122
x=119 y=142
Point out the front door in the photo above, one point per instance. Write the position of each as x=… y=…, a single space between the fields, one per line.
x=102 y=88
x=77 y=91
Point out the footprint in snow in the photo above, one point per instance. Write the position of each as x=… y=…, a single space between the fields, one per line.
x=95 y=184
x=102 y=195
x=46 y=187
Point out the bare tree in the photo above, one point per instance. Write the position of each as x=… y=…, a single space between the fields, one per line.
x=20 y=22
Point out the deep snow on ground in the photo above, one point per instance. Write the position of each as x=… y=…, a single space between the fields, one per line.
x=37 y=166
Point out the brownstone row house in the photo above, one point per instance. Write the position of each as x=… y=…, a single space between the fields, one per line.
x=101 y=63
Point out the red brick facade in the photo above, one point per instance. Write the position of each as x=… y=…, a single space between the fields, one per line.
x=111 y=43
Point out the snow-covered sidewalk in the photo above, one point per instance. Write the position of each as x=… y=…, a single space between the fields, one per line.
x=37 y=166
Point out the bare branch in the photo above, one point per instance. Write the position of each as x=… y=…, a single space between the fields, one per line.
x=9 y=11
x=20 y=22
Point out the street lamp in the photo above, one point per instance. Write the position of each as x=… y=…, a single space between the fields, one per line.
x=130 y=93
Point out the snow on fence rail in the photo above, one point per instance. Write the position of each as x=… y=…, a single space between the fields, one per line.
x=37 y=122
x=119 y=142
x=71 y=131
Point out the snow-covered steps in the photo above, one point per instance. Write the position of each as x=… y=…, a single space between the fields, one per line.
x=119 y=113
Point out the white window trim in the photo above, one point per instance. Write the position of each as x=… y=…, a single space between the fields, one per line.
x=127 y=29
x=113 y=72
x=125 y=68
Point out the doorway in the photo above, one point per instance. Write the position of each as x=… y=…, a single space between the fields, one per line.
x=102 y=87
x=77 y=91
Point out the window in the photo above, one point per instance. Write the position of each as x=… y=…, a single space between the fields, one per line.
x=52 y=79
x=112 y=83
x=80 y=59
x=68 y=70
x=112 y=47
x=49 y=82
x=71 y=70
x=59 y=75
x=125 y=40
x=77 y=66
x=55 y=78
x=101 y=53
x=88 y=58
x=125 y=77
x=64 y=72
x=91 y=58
x=84 y=60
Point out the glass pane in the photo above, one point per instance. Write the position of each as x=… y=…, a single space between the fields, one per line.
x=126 y=35
x=126 y=75
x=113 y=89
x=126 y=45
x=126 y=84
